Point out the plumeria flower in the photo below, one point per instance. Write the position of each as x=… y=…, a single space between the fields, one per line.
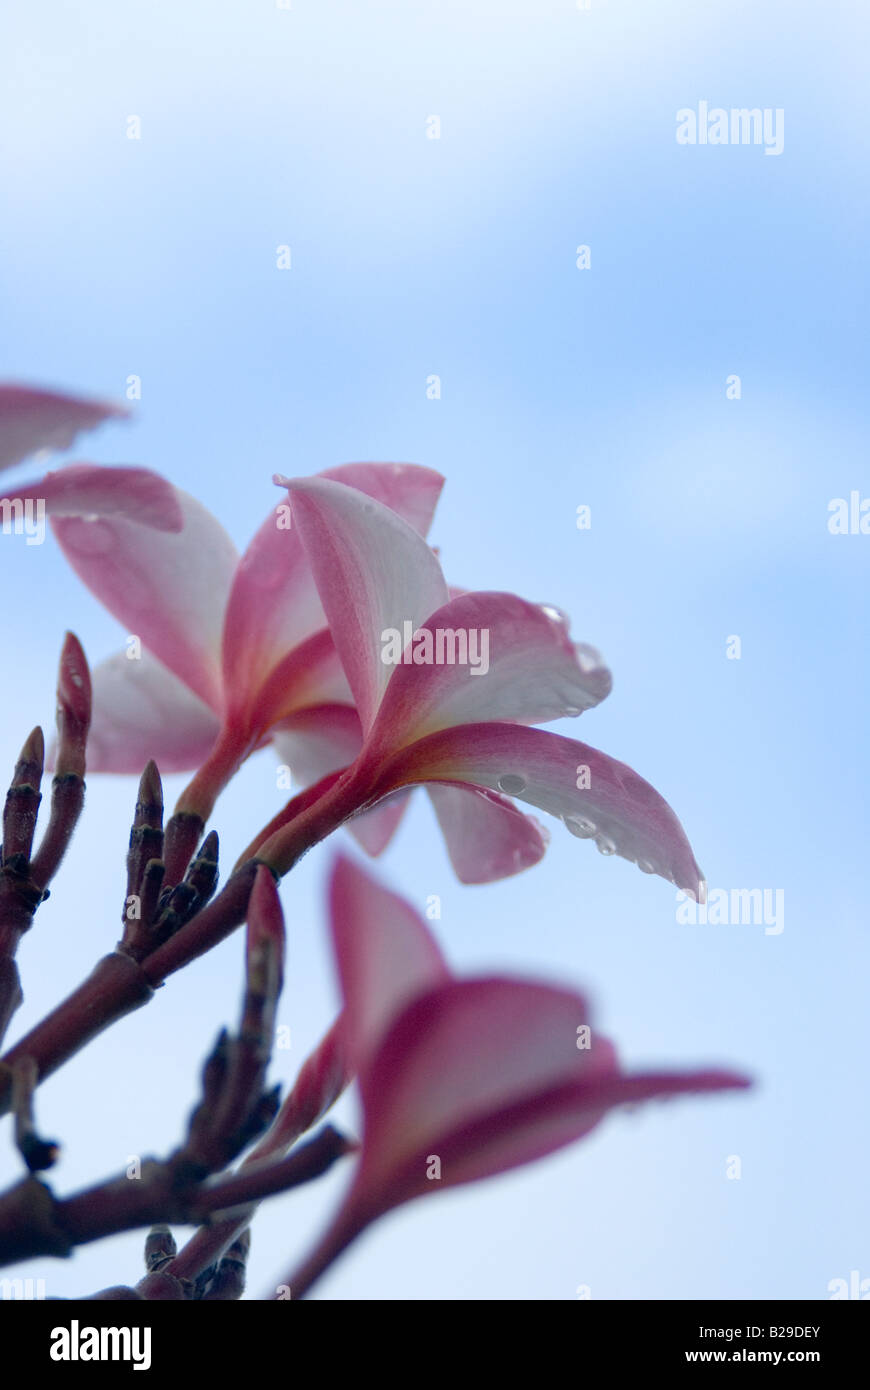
x=236 y=652
x=227 y=649
x=42 y=421
x=432 y=719
x=459 y=1079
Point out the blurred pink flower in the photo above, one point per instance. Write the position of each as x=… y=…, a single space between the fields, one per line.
x=459 y=1079
x=34 y=421
x=231 y=647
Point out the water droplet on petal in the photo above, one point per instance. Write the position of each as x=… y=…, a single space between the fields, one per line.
x=605 y=845
x=645 y=866
x=579 y=826
x=511 y=784
x=555 y=615
x=588 y=658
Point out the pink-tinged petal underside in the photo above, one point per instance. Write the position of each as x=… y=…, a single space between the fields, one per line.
x=386 y=957
x=168 y=590
x=531 y=1129
x=274 y=604
x=373 y=574
x=33 y=420
x=487 y=656
x=622 y=812
x=487 y=1075
x=487 y=836
x=321 y=1080
x=143 y=711
x=89 y=489
x=373 y=830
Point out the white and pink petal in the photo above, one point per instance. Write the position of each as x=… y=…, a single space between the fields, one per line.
x=374 y=574
x=32 y=420
x=91 y=490
x=274 y=604
x=373 y=830
x=595 y=796
x=487 y=836
x=170 y=590
x=318 y=740
x=386 y=956
x=487 y=1074
x=487 y=656
x=142 y=711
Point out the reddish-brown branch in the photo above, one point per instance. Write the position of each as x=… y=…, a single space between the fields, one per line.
x=301 y=810
x=115 y=987
x=226 y=1281
x=307 y=1161
x=34 y=1222
x=11 y=995
x=118 y=985
x=38 y=1153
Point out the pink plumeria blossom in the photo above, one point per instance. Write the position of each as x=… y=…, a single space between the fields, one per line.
x=35 y=421
x=233 y=647
x=236 y=652
x=475 y=1075
x=462 y=731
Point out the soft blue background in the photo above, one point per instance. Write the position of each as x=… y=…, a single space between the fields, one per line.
x=410 y=256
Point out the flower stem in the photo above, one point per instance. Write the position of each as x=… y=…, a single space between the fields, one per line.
x=118 y=985
x=345 y=1228
x=308 y=819
x=231 y=749
x=115 y=987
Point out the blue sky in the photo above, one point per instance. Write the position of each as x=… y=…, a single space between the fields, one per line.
x=410 y=257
